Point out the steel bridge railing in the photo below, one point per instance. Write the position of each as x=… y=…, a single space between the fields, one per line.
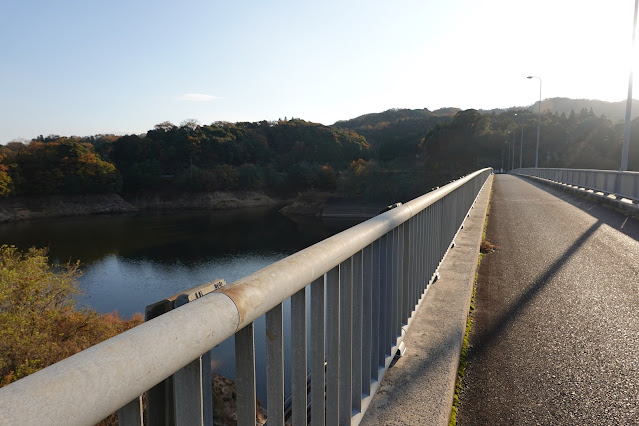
x=608 y=182
x=365 y=284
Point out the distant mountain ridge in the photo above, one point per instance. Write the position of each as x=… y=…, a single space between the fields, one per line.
x=614 y=111
x=396 y=131
x=393 y=115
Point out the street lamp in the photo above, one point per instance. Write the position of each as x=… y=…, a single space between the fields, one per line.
x=521 y=143
x=539 y=123
x=626 y=130
x=513 y=163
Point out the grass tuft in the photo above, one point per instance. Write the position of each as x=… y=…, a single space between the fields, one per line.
x=469 y=322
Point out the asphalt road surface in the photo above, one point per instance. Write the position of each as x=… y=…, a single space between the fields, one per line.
x=555 y=337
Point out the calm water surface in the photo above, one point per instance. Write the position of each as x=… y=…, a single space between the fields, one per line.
x=131 y=261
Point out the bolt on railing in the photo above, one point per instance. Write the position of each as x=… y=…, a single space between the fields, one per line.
x=365 y=285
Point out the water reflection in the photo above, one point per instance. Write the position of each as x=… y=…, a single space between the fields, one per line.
x=187 y=237
x=131 y=261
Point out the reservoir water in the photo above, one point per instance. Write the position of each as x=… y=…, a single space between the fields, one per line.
x=131 y=261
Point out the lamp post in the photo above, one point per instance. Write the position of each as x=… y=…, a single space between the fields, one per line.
x=521 y=142
x=513 y=163
x=626 y=131
x=538 y=123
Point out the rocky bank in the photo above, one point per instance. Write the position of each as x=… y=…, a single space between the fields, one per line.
x=25 y=208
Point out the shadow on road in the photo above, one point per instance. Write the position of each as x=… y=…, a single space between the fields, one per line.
x=446 y=347
x=485 y=338
x=622 y=222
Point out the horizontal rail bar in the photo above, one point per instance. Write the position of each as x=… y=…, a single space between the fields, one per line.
x=115 y=372
x=609 y=182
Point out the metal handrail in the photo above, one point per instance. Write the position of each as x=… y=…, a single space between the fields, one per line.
x=365 y=284
x=609 y=182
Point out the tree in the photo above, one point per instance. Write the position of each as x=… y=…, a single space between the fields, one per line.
x=88 y=173
x=165 y=126
x=249 y=177
x=63 y=166
x=327 y=178
x=144 y=175
x=40 y=324
x=226 y=177
x=5 y=179
x=190 y=124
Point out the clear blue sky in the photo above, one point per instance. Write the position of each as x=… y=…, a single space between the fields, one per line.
x=87 y=67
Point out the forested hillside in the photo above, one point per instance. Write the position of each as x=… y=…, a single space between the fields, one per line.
x=614 y=111
x=396 y=132
x=575 y=140
x=392 y=155
x=286 y=156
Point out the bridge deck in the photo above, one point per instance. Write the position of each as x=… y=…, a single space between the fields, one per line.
x=556 y=325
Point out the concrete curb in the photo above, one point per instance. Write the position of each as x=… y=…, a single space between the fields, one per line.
x=419 y=388
x=593 y=194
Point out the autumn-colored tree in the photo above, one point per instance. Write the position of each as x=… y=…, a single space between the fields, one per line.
x=354 y=181
x=40 y=323
x=87 y=173
x=327 y=177
x=5 y=179
x=59 y=166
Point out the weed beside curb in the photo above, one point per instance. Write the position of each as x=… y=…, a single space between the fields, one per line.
x=469 y=320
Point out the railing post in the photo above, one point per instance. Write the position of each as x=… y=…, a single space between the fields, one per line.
x=332 y=346
x=318 y=378
x=192 y=393
x=383 y=300
x=245 y=375
x=187 y=390
x=390 y=283
x=397 y=288
x=185 y=397
x=298 y=358
x=345 y=340
x=367 y=319
x=357 y=333
x=412 y=264
x=275 y=366
x=375 y=310
x=131 y=414
x=406 y=281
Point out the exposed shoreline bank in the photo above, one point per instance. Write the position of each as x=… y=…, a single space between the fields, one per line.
x=312 y=204
x=17 y=209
